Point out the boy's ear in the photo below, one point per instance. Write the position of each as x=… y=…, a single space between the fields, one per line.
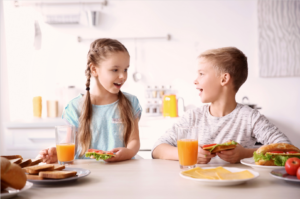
x=225 y=78
x=93 y=70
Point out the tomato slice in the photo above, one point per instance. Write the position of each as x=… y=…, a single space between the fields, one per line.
x=109 y=153
x=289 y=152
x=208 y=145
x=276 y=152
x=99 y=152
x=92 y=150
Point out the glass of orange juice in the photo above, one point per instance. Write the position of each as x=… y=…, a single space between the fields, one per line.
x=187 y=144
x=65 y=144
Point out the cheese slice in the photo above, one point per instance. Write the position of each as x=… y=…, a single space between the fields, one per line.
x=211 y=173
x=235 y=176
x=290 y=154
x=193 y=173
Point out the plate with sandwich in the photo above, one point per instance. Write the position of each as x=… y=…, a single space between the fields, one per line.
x=270 y=157
x=214 y=148
x=50 y=174
x=219 y=176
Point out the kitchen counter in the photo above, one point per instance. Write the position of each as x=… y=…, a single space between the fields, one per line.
x=142 y=178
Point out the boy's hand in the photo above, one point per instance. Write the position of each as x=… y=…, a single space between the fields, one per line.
x=48 y=155
x=233 y=155
x=204 y=156
x=122 y=153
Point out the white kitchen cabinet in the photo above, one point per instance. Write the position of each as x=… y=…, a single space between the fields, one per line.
x=27 y=138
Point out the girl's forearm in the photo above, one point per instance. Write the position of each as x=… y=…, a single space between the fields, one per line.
x=165 y=152
x=133 y=146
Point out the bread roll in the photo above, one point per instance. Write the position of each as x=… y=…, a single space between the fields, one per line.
x=277 y=147
x=12 y=174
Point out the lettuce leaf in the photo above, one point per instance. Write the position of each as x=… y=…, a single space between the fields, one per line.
x=279 y=160
x=224 y=144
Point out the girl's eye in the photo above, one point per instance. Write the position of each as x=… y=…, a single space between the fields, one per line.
x=115 y=70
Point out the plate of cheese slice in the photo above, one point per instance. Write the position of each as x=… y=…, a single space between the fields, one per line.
x=219 y=176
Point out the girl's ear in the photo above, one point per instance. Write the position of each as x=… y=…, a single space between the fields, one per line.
x=225 y=78
x=93 y=70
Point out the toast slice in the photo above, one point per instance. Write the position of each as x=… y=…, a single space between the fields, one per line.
x=16 y=161
x=37 y=168
x=33 y=177
x=59 y=167
x=35 y=161
x=10 y=157
x=57 y=174
x=25 y=163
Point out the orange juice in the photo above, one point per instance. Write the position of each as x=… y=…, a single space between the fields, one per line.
x=187 y=151
x=65 y=152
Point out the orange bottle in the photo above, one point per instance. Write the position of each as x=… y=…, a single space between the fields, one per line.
x=187 y=151
x=65 y=152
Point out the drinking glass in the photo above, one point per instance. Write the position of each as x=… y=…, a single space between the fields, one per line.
x=65 y=144
x=187 y=144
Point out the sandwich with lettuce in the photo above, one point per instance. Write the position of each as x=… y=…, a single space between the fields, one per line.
x=99 y=154
x=214 y=148
x=275 y=154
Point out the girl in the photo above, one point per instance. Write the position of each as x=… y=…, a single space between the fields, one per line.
x=106 y=118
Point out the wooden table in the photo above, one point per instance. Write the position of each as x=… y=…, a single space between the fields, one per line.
x=144 y=178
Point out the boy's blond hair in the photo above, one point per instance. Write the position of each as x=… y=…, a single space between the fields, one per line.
x=229 y=60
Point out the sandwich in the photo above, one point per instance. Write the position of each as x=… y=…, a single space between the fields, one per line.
x=275 y=154
x=214 y=148
x=12 y=175
x=99 y=154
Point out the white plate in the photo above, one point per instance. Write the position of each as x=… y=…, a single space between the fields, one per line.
x=80 y=174
x=282 y=175
x=222 y=182
x=13 y=192
x=251 y=163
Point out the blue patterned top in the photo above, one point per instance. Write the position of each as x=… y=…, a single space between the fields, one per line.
x=106 y=127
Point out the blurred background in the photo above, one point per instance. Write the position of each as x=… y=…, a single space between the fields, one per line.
x=44 y=46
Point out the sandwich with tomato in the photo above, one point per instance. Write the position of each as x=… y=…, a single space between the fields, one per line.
x=214 y=148
x=275 y=154
x=99 y=154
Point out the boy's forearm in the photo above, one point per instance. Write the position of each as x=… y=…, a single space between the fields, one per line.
x=165 y=152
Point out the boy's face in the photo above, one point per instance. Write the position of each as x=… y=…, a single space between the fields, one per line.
x=208 y=82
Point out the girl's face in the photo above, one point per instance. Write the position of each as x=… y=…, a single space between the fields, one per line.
x=207 y=82
x=112 y=72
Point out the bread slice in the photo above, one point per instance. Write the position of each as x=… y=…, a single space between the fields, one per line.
x=59 y=167
x=266 y=162
x=37 y=168
x=35 y=161
x=33 y=177
x=10 y=157
x=25 y=163
x=220 y=148
x=16 y=161
x=57 y=174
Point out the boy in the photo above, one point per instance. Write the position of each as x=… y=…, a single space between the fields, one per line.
x=221 y=72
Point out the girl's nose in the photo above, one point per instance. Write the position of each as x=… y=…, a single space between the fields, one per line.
x=195 y=82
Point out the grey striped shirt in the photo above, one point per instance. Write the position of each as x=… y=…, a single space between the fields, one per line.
x=244 y=125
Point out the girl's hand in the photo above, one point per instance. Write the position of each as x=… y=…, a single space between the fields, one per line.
x=204 y=156
x=122 y=153
x=48 y=155
x=233 y=155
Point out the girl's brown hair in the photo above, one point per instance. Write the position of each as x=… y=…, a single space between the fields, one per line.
x=98 y=51
x=229 y=60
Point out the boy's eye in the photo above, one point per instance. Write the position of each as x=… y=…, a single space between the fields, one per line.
x=126 y=70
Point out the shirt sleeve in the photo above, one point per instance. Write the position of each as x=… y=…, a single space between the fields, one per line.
x=266 y=132
x=170 y=136
x=70 y=115
x=137 y=109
